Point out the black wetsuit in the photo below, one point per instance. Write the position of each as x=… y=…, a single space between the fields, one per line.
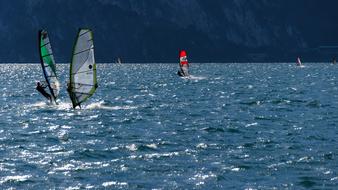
x=41 y=89
x=180 y=73
x=183 y=72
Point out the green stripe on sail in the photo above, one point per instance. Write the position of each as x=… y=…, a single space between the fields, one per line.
x=47 y=58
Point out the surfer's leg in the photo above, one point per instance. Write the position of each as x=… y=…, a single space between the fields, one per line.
x=48 y=96
x=73 y=105
x=180 y=73
x=52 y=101
x=44 y=93
x=185 y=71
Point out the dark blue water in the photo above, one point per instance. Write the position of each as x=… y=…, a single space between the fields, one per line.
x=232 y=126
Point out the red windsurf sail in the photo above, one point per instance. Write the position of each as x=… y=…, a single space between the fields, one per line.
x=183 y=58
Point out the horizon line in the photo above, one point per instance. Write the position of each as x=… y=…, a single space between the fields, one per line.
x=169 y=62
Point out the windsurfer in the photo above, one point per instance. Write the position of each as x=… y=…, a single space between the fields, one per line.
x=41 y=88
x=184 y=65
x=334 y=60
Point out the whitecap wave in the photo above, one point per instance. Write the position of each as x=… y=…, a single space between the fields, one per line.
x=63 y=106
x=36 y=105
x=67 y=106
x=44 y=105
x=132 y=147
x=17 y=178
x=192 y=77
x=114 y=183
x=102 y=105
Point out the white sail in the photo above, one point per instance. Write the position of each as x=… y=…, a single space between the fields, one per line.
x=83 y=81
x=299 y=62
x=119 y=61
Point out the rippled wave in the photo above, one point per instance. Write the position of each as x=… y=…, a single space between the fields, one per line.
x=229 y=126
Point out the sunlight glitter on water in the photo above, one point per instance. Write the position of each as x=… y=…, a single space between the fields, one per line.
x=147 y=128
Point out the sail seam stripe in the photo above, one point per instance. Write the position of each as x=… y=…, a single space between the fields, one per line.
x=82 y=93
x=45 y=44
x=83 y=51
x=84 y=33
x=83 y=84
x=47 y=55
x=83 y=72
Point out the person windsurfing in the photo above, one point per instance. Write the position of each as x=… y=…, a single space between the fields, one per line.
x=48 y=66
x=41 y=88
x=184 y=65
x=82 y=76
x=118 y=61
x=334 y=60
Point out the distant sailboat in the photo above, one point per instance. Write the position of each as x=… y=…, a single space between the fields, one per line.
x=184 y=65
x=299 y=62
x=118 y=61
x=83 y=81
x=48 y=65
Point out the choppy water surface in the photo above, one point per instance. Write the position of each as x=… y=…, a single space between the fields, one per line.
x=232 y=126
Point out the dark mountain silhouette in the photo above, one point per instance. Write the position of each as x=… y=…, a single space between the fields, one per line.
x=154 y=31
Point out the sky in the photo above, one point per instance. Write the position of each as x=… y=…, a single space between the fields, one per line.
x=147 y=31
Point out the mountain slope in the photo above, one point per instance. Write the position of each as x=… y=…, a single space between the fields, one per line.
x=154 y=31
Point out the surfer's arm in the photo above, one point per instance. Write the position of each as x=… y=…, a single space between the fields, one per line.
x=44 y=85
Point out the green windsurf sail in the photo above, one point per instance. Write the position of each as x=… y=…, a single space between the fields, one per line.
x=48 y=64
x=83 y=81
